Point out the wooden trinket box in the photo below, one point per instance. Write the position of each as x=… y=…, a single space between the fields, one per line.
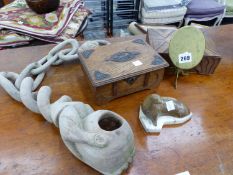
x=159 y=39
x=122 y=68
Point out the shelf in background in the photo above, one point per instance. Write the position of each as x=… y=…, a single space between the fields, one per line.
x=110 y=17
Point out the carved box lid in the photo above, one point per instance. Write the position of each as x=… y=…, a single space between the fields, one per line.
x=120 y=60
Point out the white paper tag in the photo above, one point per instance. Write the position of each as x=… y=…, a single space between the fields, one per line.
x=137 y=63
x=185 y=57
x=184 y=173
x=170 y=105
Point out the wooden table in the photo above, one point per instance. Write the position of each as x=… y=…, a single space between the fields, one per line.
x=202 y=146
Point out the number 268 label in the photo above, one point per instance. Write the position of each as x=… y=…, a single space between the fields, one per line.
x=185 y=57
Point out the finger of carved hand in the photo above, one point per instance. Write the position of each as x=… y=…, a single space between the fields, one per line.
x=56 y=109
x=64 y=98
x=71 y=127
x=9 y=87
x=27 y=96
x=83 y=109
x=43 y=102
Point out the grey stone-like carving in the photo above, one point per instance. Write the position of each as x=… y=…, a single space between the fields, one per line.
x=101 y=139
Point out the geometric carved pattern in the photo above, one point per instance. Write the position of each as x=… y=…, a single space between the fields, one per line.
x=157 y=60
x=123 y=56
x=100 y=75
x=87 y=53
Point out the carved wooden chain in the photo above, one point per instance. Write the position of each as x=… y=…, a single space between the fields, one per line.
x=21 y=87
x=78 y=123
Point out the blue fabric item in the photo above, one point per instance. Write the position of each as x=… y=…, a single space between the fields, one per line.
x=204 y=7
x=204 y=16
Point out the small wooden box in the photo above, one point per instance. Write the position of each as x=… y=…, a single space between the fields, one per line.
x=122 y=68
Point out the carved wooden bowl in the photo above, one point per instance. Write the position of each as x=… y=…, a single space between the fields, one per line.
x=43 y=6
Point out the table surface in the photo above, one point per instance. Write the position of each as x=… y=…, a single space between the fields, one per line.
x=203 y=145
